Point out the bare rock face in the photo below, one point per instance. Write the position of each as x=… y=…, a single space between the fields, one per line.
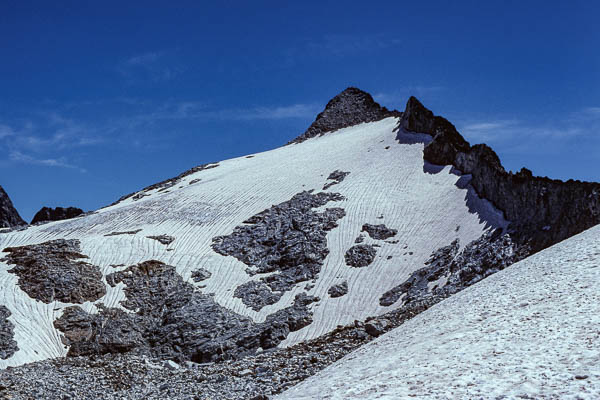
x=54 y=270
x=542 y=211
x=170 y=319
x=8 y=345
x=338 y=290
x=350 y=107
x=287 y=242
x=9 y=216
x=256 y=295
x=47 y=214
x=335 y=177
x=379 y=232
x=360 y=255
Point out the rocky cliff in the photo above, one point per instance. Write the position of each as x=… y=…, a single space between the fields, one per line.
x=8 y=214
x=542 y=211
x=47 y=214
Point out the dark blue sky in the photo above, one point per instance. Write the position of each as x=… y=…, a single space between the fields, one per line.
x=99 y=99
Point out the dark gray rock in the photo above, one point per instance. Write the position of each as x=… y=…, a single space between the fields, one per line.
x=287 y=241
x=256 y=295
x=171 y=320
x=377 y=326
x=360 y=255
x=163 y=239
x=359 y=239
x=335 y=177
x=338 y=290
x=47 y=214
x=490 y=253
x=9 y=216
x=54 y=270
x=379 y=232
x=350 y=107
x=200 y=275
x=542 y=211
x=124 y=233
x=8 y=345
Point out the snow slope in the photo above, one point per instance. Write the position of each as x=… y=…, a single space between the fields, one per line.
x=388 y=183
x=530 y=331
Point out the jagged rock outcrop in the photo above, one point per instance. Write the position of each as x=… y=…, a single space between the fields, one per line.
x=256 y=295
x=47 y=214
x=335 y=177
x=350 y=107
x=287 y=241
x=360 y=255
x=8 y=345
x=54 y=270
x=448 y=271
x=171 y=320
x=9 y=216
x=542 y=211
x=200 y=275
x=379 y=232
x=338 y=290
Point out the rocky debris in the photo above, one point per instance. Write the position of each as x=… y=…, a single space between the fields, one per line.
x=194 y=181
x=338 y=290
x=9 y=216
x=287 y=241
x=360 y=255
x=448 y=271
x=335 y=177
x=350 y=107
x=200 y=275
x=163 y=239
x=256 y=295
x=53 y=271
x=135 y=376
x=542 y=211
x=124 y=233
x=379 y=232
x=359 y=239
x=8 y=345
x=47 y=214
x=377 y=326
x=167 y=183
x=171 y=320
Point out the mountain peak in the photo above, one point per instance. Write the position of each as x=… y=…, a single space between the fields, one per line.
x=350 y=107
x=8 y=214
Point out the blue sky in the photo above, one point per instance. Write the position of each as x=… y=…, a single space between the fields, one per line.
x=99 y=99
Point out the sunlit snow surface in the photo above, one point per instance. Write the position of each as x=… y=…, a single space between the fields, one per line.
x=388 y=183
x=531 y=331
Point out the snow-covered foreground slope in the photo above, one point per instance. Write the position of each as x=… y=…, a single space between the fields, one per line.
x=388 y=184
x=530 y=331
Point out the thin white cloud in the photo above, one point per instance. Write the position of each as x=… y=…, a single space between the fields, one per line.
x=17 y=156
x=155 y=66
x=6 y=131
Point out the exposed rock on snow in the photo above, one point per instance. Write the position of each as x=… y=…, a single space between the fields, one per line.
x=9 y=216
x=124 y=233
x=377 y=326
x=350 y=107
x=338 y=290
x=171 y=320
x=200 y=275
x=164 y=239
x=288 y=240
x=360 y=255
x=54 y=271
x=379 y=232
x=8 y=345
x=47 y=214
x=335 y=177
x=256 y=295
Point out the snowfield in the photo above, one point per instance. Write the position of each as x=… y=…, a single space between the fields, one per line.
x=389 y=184
x=531 y=331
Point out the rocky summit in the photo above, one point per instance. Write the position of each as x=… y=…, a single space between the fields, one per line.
x=243 y=278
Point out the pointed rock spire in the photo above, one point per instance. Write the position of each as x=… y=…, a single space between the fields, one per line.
x=8 y=214
x=350 y=107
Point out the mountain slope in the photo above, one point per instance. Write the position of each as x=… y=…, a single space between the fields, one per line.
x=530 y=331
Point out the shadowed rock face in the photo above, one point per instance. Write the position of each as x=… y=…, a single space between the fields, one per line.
x=54 y=271
x=350 y=107
x=9 y=216
x=287 y=241
x=172 y=320
x=542 y=211
x=8 y=345
x=47 y=214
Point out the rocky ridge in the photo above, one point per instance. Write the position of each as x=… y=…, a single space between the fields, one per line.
x=47 y=214
x=9 y=216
